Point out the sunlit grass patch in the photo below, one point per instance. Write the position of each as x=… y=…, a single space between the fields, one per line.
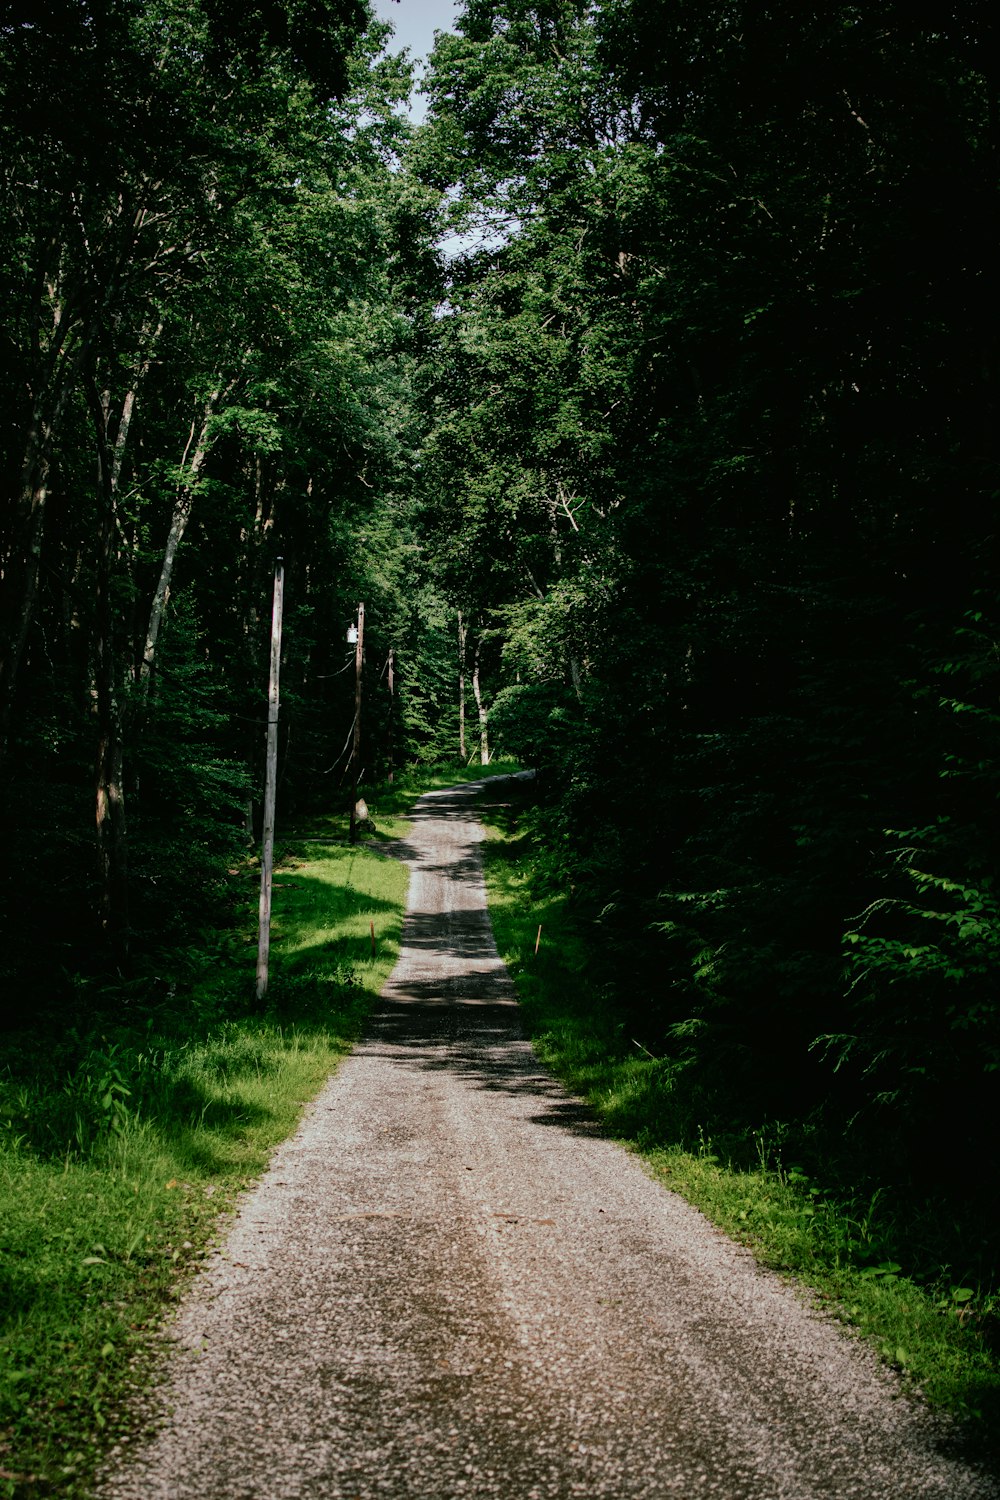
x=126 y=1129
x=389 y=803
x=327 y=901
x=123 y=1137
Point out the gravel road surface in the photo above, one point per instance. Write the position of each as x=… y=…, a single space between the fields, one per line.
x=449 y=1285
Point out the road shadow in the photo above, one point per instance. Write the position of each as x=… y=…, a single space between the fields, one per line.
x=475 y=1033
x=450 y=1008
x=450 y=1005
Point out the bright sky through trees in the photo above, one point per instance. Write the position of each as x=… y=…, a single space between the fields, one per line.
x=416 y=22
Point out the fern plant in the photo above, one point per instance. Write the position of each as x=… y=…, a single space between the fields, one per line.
x=922 y=971
x=923 y=956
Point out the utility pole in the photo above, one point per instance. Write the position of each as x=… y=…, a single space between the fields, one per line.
x=359 y=650
x=392 y=700
x=462 y=632
x=477 y=692
x=270 y=785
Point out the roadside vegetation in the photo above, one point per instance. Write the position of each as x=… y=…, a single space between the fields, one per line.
x=675 y=477
x=389 y=803
x=911 y=1272
x=130 y=1123
x=128 y=1128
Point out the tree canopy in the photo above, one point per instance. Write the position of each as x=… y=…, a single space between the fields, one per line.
x=684 y=460
x=713 y=455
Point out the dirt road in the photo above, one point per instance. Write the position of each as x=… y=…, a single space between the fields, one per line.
x=449 y=1285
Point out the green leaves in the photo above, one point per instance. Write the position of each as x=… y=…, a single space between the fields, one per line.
x=705 y=450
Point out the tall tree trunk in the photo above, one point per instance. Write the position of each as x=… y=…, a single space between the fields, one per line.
x=355 y=760
x=270 y=785
x=192 y=462
x=392 y=707
x=463 y=631
x=110 y=821
x=77 y=317
x=20 y=587
x=139 y=374
x=574 y=673
x=20 y=562
x=484 y=744
x=110 y=825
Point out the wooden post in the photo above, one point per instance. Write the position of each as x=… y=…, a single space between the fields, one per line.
x=462 y=628
x=484 y=743
x=356 y=748
x=392 y=700
x=270 y=785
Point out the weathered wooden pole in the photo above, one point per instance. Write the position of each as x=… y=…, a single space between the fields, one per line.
x=481 y=709
x=356 y=749
x=270 y=785
x=392 y=700
x=462 y=630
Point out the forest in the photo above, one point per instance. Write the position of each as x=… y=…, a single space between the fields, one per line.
x=646 y=393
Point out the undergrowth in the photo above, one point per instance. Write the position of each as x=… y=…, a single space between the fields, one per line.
x=914 y=1282
x=132 y=1120
x=134 y=1113
x=388 y=803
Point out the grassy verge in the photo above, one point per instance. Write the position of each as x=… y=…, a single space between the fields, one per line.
x=847 y=1249
x=128 y=1127
x=388 y=804
x=130 y=1124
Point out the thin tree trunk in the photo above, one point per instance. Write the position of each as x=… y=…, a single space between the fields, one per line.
x=128 y=406
x=110 y=824
x=484 y=744
x=20 y=577
x=110 y=821
x=574 y=672
x=191 y=467
x=463 y=630
x=21 y=562
x=392 y=705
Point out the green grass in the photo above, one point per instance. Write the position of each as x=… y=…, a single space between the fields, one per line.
x=388 y=804
x=848 y=1249
x=123 y=1138
x=129 y=1127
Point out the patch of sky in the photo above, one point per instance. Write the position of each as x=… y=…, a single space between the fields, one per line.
x=415 y=22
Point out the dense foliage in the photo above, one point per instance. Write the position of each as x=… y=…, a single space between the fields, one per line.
x=713 y=462
x=682 y=467
x=209 y=261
